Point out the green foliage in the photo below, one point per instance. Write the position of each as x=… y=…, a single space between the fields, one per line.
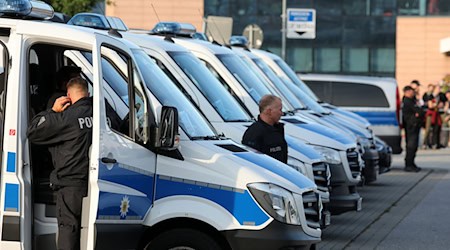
x=72 y=7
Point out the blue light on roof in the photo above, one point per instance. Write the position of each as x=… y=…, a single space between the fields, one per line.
x=25 y=8
x=238 y=41
x=174 y=28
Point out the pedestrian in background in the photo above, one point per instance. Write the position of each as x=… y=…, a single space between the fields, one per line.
x=446 y=121
x=267 y=133
x=412 y=121
x=429 y=107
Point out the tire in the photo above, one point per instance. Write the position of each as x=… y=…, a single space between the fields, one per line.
x=183 y=239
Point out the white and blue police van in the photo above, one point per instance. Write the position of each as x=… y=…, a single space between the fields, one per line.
x=381 y=107
x=282 y=69
x=151 y=184
x=321 y=138
x=304 y=106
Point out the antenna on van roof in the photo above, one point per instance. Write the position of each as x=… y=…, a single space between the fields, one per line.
x=156 y=13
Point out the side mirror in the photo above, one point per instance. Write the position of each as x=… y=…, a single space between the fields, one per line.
x=168 y=129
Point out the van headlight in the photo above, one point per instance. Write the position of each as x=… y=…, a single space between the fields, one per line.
x=278 y=202
x=297 y=165
x=331 y=156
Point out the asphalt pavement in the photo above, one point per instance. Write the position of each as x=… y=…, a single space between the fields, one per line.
x=401 y=210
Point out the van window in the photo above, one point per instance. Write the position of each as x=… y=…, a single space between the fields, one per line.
x=358 y=95
x=348 y=94
x=3 y=61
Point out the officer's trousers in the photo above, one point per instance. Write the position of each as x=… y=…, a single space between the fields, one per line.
x=68 y=213
x=412 y=142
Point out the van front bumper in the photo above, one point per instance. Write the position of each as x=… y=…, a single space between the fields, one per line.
x=276 y=235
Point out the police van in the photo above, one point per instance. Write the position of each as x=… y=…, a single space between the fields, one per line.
x=282 y=69
x=322 y=139
x=151 y=183
x=374 y=98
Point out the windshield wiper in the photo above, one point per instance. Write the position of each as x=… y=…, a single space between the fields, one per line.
x=303 y=108
x=206 y=137
x=240 y=120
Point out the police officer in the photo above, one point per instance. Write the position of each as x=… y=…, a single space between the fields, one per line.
x=412 y=121
x=66 y=130
x=267 y=133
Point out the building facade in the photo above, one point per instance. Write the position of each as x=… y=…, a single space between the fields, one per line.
x=398 y=38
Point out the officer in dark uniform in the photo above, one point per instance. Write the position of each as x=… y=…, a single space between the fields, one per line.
x=412 y=122
x=267 y=134
x=66 y=130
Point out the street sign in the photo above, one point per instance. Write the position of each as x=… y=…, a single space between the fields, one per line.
x=301 y=23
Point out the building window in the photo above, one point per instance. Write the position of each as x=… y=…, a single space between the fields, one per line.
x=355 y=60
x=327 y=59
x=301 y=59
x=382 y=60
x=355 y=8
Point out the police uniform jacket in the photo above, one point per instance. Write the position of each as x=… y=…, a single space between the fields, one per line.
x=412 y=114
x=267 y=139
x=68 y=135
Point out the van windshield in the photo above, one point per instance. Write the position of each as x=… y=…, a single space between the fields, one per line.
x=191 y=121
x=294 y=78
x=245 y=76
x=307 y=100
x=293 y=100
x=227 y=107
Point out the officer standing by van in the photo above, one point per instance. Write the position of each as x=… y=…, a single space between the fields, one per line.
x=412 y=122
x=66 y=130
x=267 y=133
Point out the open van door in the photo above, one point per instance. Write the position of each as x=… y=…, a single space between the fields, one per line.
x=11 y=205
x=122 y=167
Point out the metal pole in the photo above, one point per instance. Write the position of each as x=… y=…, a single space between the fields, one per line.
x=283 y=31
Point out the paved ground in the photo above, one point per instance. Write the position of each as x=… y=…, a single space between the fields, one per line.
x=401 y=210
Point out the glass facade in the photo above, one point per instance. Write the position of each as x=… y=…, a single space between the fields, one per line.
x=352 y=37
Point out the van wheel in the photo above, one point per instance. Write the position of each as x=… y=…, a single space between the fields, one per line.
x=182 y=239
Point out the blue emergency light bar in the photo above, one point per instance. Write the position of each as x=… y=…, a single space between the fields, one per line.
x=240 y=41
x=174 y=28
x=98 y=21
x=25 y=9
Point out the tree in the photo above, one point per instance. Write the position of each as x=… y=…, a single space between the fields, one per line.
x=72 y=7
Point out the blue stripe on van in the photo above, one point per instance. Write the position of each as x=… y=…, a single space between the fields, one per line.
x=239 y=203
x=11 y=162
x=379 y=117
x=116 y=206
x=12 y=197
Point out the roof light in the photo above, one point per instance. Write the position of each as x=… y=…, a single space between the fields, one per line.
x=90 y=20
x=26 y=8
x=174 y=28
x=240 y=41
x=97 y=21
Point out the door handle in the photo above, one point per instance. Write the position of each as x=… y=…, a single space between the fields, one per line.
x=108 y=160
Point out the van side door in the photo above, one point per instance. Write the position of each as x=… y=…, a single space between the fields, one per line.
x=122 y=167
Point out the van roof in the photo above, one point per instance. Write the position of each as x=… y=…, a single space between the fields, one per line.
x=348 y=78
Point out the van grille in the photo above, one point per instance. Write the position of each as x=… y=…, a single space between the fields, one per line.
x=313 y=209
x=353 y=162
x=322 y=175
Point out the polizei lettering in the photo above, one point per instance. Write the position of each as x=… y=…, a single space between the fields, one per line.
x=85 y=122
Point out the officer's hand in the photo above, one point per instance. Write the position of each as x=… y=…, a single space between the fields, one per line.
x=61 y=104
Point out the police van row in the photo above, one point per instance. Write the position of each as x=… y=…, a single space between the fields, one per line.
x=174 y=174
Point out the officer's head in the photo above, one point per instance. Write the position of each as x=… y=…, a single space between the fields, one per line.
x=270 y=108
x=66 y=73
x=77 y=88
x=408 y=91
